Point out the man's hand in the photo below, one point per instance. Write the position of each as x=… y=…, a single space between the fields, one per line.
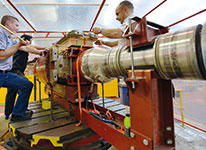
x=97 y=30
x=99 y=42
x=45 y=51
x=23 y=42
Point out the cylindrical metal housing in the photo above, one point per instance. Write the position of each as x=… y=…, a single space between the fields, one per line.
x=203 y=44
x=179 y=54
x=101 y=64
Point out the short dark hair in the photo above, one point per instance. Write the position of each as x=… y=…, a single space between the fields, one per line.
x=7 y=17
x=26 y=37
x=127 y=4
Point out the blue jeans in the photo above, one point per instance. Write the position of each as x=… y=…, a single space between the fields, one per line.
x=11 y=95
x=11 y=80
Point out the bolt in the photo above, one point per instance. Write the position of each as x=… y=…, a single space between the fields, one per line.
x=168 y=128
x=169 y=142
x=132 y=148
x=145 y=142
x=132 y=134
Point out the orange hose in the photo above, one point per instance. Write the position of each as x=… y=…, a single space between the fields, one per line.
x=79 y=92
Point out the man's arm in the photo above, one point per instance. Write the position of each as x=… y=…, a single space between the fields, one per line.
x=34 y=49
x=30 y=49
x=4 y=54
x=38 y=47
x=110 y=33
x=108 y=43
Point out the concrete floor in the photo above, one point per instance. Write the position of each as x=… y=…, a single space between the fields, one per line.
x=188 y=138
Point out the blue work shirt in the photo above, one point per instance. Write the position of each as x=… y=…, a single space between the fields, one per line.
x=6 y=41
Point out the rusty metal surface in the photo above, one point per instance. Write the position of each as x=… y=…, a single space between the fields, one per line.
x=45 y=126
x=113 y=136
x=39 y=105
x=70 y=135
x=111 y=105
x=96 y=144
x=22 y=124
x=3 y=127
x=65 y=132
x=151 y=109
x=47 y=112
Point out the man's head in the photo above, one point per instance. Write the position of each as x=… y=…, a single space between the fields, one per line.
x=10 y=22
x=27 y=37
x=123 y=10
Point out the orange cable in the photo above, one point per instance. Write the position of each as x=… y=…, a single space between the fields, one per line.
x=79 y=92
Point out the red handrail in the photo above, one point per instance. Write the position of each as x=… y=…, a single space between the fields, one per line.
x=97 y=15
x=187 y=18
x=154 y=8
x=190 y=125
x=21 y=15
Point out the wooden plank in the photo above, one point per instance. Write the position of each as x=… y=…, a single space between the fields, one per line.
x=66 y=132
x=44 y=126
x=105 y=102
x=100 y=100
x=110 y=104
x=34 y=102
x=122 y=112
x=39 y=110
x=3 y=126
x=117 y=107
x=34 y=121
x=47 y=112
x=37 y=106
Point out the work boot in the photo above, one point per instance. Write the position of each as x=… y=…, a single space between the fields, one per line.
x=6 y=117
x=15 y=118
x=29 y=112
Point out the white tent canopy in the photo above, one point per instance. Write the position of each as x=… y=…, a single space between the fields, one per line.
x=67 y=15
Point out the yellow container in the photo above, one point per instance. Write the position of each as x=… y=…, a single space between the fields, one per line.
x=46 y=104
x=110 y=88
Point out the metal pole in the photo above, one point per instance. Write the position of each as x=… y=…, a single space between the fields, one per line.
x=34 y=88
x=131 y=51
x=51 y=110
x=39 y=90
x=103 y=94
x=181 y=106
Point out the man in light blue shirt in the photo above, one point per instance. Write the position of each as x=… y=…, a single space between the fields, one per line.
x=10 y=80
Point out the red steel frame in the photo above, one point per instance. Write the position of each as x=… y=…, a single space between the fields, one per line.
x=151 y=110
x=12 y=5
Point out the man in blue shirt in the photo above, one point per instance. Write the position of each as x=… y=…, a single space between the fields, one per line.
x=10 y=80
x=20 y=59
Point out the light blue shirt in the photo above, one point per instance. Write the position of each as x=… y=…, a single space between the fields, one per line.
x=6 y=41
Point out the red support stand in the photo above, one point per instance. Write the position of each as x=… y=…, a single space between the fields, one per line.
x=151 y=110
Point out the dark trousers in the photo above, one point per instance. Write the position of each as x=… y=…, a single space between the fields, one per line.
x=12 y=92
